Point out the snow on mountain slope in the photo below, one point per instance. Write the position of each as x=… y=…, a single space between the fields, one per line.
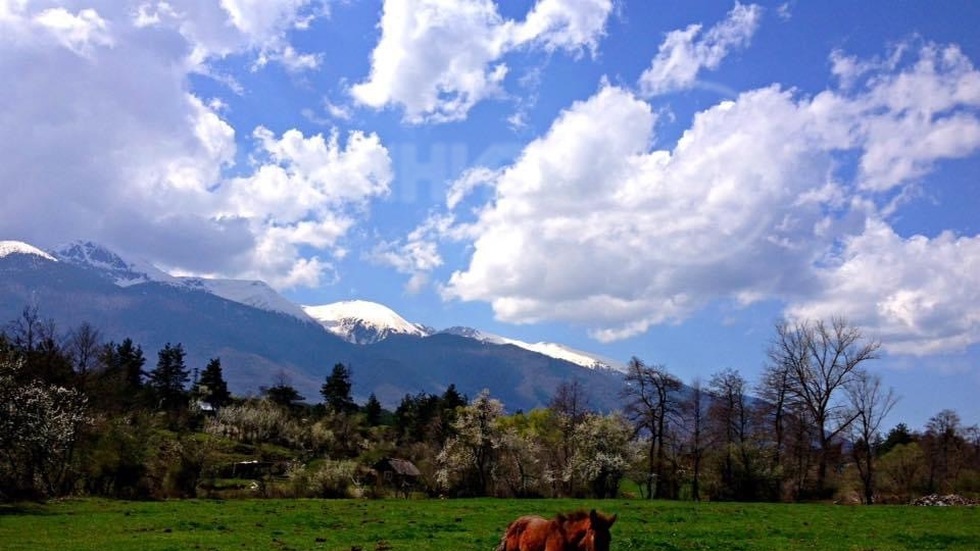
x=357 y=321
x=19 y=247
x=362 y=321
x=554 y=350
x=128 y=272
x=123 y=273
x=253 y=293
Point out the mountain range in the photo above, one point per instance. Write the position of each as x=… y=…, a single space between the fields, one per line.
x=263 y=338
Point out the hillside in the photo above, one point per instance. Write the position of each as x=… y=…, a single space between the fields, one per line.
x=262 y=341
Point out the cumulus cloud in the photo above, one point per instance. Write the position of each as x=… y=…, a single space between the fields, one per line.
x=591 y=225
x=417 y=255
x=436 y=60
x=215 y=29
x=919 y=294
x=684 y=53
x=912 y=118
x=304 y=191
x=562 y=25
x=105 y=130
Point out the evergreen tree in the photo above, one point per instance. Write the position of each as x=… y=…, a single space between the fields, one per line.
x=336 y=391
x=899 y=435
x=168 y=379
x=373 y=411
x=452 y=399
x=283 y=393
x=212 y=386
x=130 y=362
x=418 y=418
x=118 y=385
x=449 y=404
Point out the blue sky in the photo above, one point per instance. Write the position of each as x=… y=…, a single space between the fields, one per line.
x=645 y=178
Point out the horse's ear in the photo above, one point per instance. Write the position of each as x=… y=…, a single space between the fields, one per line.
x=612 y=519
x=593 y=517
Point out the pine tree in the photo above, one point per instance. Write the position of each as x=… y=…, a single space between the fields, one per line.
x=168 y=379
x=119 y=386
x=373 y=411
x=336 y=391
x=284 y=395
x=449 y=404
x=212 y=386
x=130 y=362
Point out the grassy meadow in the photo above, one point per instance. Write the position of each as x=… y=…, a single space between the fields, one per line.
x=464 y=525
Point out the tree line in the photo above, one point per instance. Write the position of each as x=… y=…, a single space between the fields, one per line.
x=84 y=416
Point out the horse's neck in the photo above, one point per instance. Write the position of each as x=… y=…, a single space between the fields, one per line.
x=575 y=537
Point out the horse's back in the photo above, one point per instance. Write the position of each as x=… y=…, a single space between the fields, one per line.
x=527 y=533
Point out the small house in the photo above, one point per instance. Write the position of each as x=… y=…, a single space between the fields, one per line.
x=399 y=474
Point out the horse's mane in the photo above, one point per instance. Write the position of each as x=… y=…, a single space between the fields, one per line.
x=572 y=516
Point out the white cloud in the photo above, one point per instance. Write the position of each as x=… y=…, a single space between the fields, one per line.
x=105 y=131
x=218 y=28
x=916 y=117
x=341 y=112
x=437 y=59
x=563 y=24
x=306 y=191
x=591 y=226
x=785 y=11
x=418 y=255
x=434 y=58
x=289 y=58
x=920 y=295
x=78 y=32
x=264 y=19
x=684 y=53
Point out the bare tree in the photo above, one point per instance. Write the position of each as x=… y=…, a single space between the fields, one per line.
x=570 y=400
x=774 y=391
x=730 y=419
x=651 y=397
x=820 y=360
x=695 y=414
x=37 y=340
x=27 y=330
x=84 y=345
x=871 y=404
x=943 y=445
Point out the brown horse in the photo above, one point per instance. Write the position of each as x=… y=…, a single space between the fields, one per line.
x=578 y=531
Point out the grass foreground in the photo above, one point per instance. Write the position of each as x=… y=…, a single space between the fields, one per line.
x=472 y=524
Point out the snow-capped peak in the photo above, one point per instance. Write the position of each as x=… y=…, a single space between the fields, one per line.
x=553 y=350
x=253 y=293
x=19 y=247
x=362 y=321
x=123 y=272
x=476 y=334
x=128 y=272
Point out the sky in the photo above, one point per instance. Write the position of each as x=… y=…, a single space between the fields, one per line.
x=657 y=179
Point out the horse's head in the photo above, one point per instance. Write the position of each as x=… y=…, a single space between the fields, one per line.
x=597 y=538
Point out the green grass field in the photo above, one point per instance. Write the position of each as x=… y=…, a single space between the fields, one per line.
x=463 y=525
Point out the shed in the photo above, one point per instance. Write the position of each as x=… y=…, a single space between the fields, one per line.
x=400 y=474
